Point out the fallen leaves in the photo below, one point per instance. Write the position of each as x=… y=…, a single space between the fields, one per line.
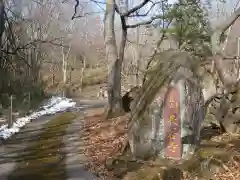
x=232 y=167
x=226 y=154
x=231 y=171
x=104 y=140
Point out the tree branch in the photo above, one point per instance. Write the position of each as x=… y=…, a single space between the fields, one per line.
x=145 y=22
x=34 y=42
x=134 y=9
x=74 y=16
x=146 y=13
x=75 y=8
x=220 y=30
x=98 y=4
x=86 y=14
x=226 y=79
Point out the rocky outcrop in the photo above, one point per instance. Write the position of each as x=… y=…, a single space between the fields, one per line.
x=150 y=127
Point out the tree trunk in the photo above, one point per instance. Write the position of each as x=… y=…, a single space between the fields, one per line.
x=138 y=57
x=229 y=81
x=2 y=21
x=114 y=59
x=2 y=29
x=64 y=65
x=82 y=72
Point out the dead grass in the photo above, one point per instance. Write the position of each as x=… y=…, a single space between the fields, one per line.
x=94 y=76
x=91 y=77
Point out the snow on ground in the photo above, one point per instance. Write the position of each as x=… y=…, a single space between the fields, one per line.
x=52 y=106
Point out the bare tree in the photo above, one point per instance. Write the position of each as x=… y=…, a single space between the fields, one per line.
x=114 y=55
x=114 y=52
x=2 y=20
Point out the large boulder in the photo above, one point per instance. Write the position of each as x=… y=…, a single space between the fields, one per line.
x=167 y=114
x=181 y=118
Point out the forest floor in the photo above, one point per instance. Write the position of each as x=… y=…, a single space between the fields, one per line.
x=218 y=157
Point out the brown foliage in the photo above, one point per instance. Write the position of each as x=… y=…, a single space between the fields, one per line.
x=104 y=139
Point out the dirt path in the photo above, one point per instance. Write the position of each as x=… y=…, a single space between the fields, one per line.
x=74 y=144
x=48 y=148
x=74 y=147
x=12 y=148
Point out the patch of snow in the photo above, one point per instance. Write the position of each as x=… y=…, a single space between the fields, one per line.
x=52 y=106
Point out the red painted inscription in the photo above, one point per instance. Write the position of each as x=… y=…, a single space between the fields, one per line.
x=172 y=125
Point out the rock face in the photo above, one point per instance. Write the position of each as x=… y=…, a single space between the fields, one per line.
x=182 y=124
x=170 y=118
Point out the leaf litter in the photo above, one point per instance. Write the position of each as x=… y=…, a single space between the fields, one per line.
x=105 y=139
